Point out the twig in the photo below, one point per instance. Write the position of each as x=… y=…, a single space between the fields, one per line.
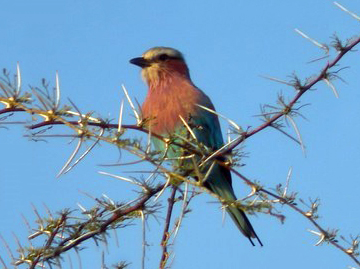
x=323 y=74
x=323 y=232
x=166 y=234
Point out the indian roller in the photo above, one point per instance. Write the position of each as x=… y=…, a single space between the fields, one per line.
x=172 y=98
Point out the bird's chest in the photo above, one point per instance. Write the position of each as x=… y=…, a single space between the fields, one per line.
x=164 y=112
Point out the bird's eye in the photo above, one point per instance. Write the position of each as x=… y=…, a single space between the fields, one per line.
x=163 y=57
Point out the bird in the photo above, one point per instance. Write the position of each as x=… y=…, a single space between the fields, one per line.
x=172 y=98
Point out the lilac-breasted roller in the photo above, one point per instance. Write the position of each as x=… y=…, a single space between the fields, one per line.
x=172 y=97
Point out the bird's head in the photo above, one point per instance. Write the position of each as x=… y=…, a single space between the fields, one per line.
x=161 y=63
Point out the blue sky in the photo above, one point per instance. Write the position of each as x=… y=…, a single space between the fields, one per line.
x=227 y=47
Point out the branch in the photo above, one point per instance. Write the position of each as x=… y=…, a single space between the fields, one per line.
x=324 y=234
x=50 y=110
x=324 y=73
x=78 y=232
x=166 y=234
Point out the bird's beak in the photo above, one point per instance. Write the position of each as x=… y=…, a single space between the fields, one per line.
x=140 y=61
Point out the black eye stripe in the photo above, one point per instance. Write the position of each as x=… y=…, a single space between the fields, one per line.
x=164 y=57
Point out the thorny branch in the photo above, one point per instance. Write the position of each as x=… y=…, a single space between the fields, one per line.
x=301 y=89
x=325 y=235
x=166 y=235
x=49 y=108
x=65 y=234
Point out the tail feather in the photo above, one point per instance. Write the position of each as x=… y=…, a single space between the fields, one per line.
x=243 y=223
x=220 y=183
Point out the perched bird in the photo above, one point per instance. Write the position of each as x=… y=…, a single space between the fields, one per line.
x=172 y=97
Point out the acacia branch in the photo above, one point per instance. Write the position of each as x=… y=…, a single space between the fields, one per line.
x=79 y=232
x=325 y=236
x=55 y=116
x=166 y=234
x=301 y=90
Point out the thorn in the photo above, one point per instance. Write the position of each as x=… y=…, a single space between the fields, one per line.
x=120 y=116
x=121 y=178
x=18 y=78
x=231 y=122
x=287 y=181
x=143 y=239
x=138 y=120
x=163 y=189
x=57 y=89
x=347 y=11
x=188 y=127
x=277 y=80
x=332 y=87
x=72 y=156
x=86 y=152
x=321 y=235
x=183 y=208
x=321 y=46
x=297 y=133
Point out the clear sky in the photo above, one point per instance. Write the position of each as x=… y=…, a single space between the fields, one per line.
x=227 y=46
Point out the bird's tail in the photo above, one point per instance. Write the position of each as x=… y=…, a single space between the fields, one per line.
x=220 y=183
x=243 y=223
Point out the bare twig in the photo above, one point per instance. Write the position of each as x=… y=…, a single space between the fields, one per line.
x=166 y=234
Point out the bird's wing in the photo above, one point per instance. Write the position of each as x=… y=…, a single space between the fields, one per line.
x=207 y=127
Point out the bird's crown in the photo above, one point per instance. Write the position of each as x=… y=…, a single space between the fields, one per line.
x=162 y=53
